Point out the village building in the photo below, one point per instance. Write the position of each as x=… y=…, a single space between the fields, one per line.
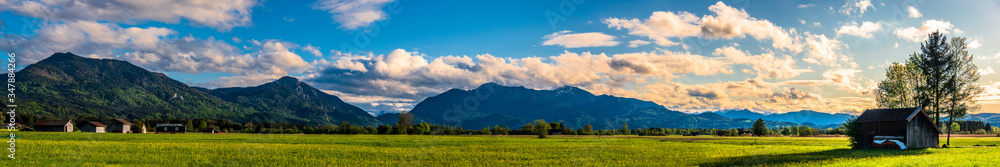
x=139 y=129
x=119 y=126
x=95 y=127
x=170 y=128
x=910 y=126
x=54 y=125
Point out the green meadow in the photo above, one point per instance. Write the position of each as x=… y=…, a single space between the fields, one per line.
x=195 y=149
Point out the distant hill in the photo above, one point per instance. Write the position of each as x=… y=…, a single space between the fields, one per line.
x=992 y=118
x=800 y=117
x=65 y=85
x=493 y=104
x=297 y=99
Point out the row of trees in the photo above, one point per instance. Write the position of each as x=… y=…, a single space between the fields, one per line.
x=941 y=78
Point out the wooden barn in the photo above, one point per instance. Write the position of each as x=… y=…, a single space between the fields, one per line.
x=911 y=126
x=119 y=126
x=54 y=125
x=170 y=128
x=95 y=127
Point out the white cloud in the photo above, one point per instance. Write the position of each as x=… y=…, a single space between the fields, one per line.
x=920 y=34
x=637 y=43
x=728 y=22
x=863 y=31
x=568 y=39
x=219 y=14
x=858 y=7
x=802 y=21
x=823 y=51
x=973 y=44
x=765 y=66
x=806 y=5
x=314 y=50
x=914 y=13
x=660 y=26
x=987 y=71
x=354 y=14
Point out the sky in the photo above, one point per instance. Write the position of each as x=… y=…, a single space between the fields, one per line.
x=387 y=55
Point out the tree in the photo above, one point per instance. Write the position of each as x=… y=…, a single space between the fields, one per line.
x=851 y=131
x=758 y=129
x=625 y=130
x=898 y=90
x=404 y=121
x=960 y=86
x=202 y=124
x=588 y=130
x=933 y=62
x=542 y=128
x=189 y=126
x=528 y=128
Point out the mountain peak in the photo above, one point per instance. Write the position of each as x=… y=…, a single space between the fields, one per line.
x=489 y=84
x=62 y=57
x=287 y=80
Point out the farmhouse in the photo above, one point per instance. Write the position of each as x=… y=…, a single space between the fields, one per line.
x=910 y=126
x=119 y=126
x=170 y=128
x=95 y=127
x=54 y=125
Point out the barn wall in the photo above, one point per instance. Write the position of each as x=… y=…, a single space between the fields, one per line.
x=921 y=133
x=871 y=129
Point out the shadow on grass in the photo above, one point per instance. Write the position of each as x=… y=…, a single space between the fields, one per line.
x=773 y=160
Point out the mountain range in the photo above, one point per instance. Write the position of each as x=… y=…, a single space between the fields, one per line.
x=492 y=104
x=66 y=85
x=801 y=117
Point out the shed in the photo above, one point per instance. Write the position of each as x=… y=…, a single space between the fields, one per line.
x=911 y=126
x=119 y=126
x=95 y=127
x=170 y=128
x=139 y=129
x=54 y=125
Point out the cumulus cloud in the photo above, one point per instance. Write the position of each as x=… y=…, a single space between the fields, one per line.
x=314 y=50
x=843 y=79
x=973 y=44
x=823 y=50
x=858 y=7
x=660 y=26
x=986 y=71
x=354 y=14
x=637 y=43
x=568 y=39
x=920 y=34
x=728 y=22
x=155 y=48
x=914 y=13
x=863 y=31
x=220 y=14
x=765 y=66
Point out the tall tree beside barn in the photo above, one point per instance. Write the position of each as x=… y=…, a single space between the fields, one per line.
x=961 y=85
x=941 y=79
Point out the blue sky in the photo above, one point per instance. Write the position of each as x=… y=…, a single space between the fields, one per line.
x=690 y=56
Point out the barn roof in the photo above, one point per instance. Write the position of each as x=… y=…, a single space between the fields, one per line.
x=888 y=114
x=119 y=120
x=97 y=124
x=51 y=122
x=893 y=115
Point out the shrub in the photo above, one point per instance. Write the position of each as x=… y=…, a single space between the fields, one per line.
x=980 y=131
x=851 y=131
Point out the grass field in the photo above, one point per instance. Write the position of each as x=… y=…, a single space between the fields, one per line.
x=90 y=149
